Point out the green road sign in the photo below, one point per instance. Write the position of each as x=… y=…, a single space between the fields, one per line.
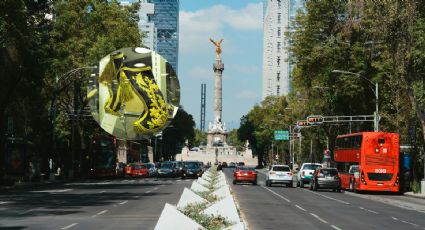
x=281 y=135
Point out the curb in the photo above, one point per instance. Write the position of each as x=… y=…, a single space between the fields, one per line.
x=414 y=195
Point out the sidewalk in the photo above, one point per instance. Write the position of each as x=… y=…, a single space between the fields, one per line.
x=415 y=195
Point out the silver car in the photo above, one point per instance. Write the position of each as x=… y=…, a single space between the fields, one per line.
x=326 y=178
x=279 y=174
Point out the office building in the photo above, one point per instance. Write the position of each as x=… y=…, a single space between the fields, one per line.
x=278 y=15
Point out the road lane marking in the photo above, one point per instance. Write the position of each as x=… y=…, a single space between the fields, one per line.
x=100 y=213
x=102 y=191
x=156 y=188
x=147 y=192
x=335 y=227
x=317 y=217
x=300 y=208
x=394 y=218
x=69 y=226
x=413 y=224
x=286 y=199
x=31 y=210
x=328 y=197
x=368 y=210
x=124 y=202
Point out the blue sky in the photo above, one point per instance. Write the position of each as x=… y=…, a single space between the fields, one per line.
x=239 y=22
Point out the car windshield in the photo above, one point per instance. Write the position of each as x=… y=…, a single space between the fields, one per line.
x=329 y=172
x=311 y=167
x=354 y=169
x=281 y=169
x=246 y=168
x=167 y=165
x=191 y=165
x=139 y=167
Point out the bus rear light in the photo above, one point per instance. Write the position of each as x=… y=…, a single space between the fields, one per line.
x=377 y=150
x=397 y=181
x=362 y=178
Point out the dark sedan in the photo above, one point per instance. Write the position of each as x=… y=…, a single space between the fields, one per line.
x=191 y=169
x=326 y=178
x=167 y=169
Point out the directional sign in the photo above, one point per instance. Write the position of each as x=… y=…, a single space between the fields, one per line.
x=315 y=119
x=281 y=135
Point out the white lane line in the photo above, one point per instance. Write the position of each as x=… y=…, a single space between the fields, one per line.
x=328 y=197
x=413 y=224
x=372 y=211
x=147 y=192
x=368 y=210
x=3 y=202
x=54 y=190
x=102 y=191
x=100 y=213
x=317 y=217
x=23 y=213
x=137 y=197
x=69 y=226
x=335 y=227
x=300 y=208
x=124 y=202
x=394 y=218
x=156 y=188
x=178 y=180
x=286 y=199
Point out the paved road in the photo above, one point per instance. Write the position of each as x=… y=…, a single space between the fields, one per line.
x=108 y=204
x=279 y=207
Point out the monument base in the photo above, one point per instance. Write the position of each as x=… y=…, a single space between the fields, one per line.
x=217 y=139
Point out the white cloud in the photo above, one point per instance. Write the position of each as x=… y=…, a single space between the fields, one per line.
x=246 y=94
x=197 y=26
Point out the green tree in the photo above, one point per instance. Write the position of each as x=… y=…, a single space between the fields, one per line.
x=23 y=53
x=233 y=140
x=199 y=140
x=82 y=33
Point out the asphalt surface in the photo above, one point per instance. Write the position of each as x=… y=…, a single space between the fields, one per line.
x=97 y=204
x=279 y=207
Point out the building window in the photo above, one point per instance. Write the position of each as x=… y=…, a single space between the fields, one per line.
x=279 y=4
x=278 y=76
x=278 y=47
x=279 y=32
x=279 y=15
x=278 y=61
x=278 y=90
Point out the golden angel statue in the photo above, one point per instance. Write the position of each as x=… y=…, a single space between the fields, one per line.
x=217 y=46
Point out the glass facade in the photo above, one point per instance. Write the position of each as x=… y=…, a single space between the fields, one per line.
x=166 y=21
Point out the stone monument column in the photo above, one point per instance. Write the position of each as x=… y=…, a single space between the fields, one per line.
x=218 y=107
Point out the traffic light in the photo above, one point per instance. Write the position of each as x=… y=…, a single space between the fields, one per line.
x=302 y=123
x=315 y=120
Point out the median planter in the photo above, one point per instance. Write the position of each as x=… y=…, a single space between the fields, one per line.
x=208 y=203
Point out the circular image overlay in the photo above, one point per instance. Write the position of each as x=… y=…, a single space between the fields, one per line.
x=134 y=94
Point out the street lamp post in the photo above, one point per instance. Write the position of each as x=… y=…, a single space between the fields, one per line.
x=375 y=91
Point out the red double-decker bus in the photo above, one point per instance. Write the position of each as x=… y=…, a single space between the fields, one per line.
x=103 y=157
x=368 y=161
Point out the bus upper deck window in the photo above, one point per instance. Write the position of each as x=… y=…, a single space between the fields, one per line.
x=381 y=141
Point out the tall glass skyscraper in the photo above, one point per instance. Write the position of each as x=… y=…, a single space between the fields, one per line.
x=159 y=20
x=278 y=16
x=166 y=21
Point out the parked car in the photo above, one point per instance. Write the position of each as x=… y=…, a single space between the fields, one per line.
x=279 y=174
x=245 y=174
x=152 y=170
x=232 y=165
x=326 y=178
x=167 y=169
x=191 y=169
x=139 y=169
x=128 y=169
x=178 y=167
x=305 y=173
x=224 y=164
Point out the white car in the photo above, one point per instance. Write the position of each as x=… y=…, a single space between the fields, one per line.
x=305 y=173
x=279 y=174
